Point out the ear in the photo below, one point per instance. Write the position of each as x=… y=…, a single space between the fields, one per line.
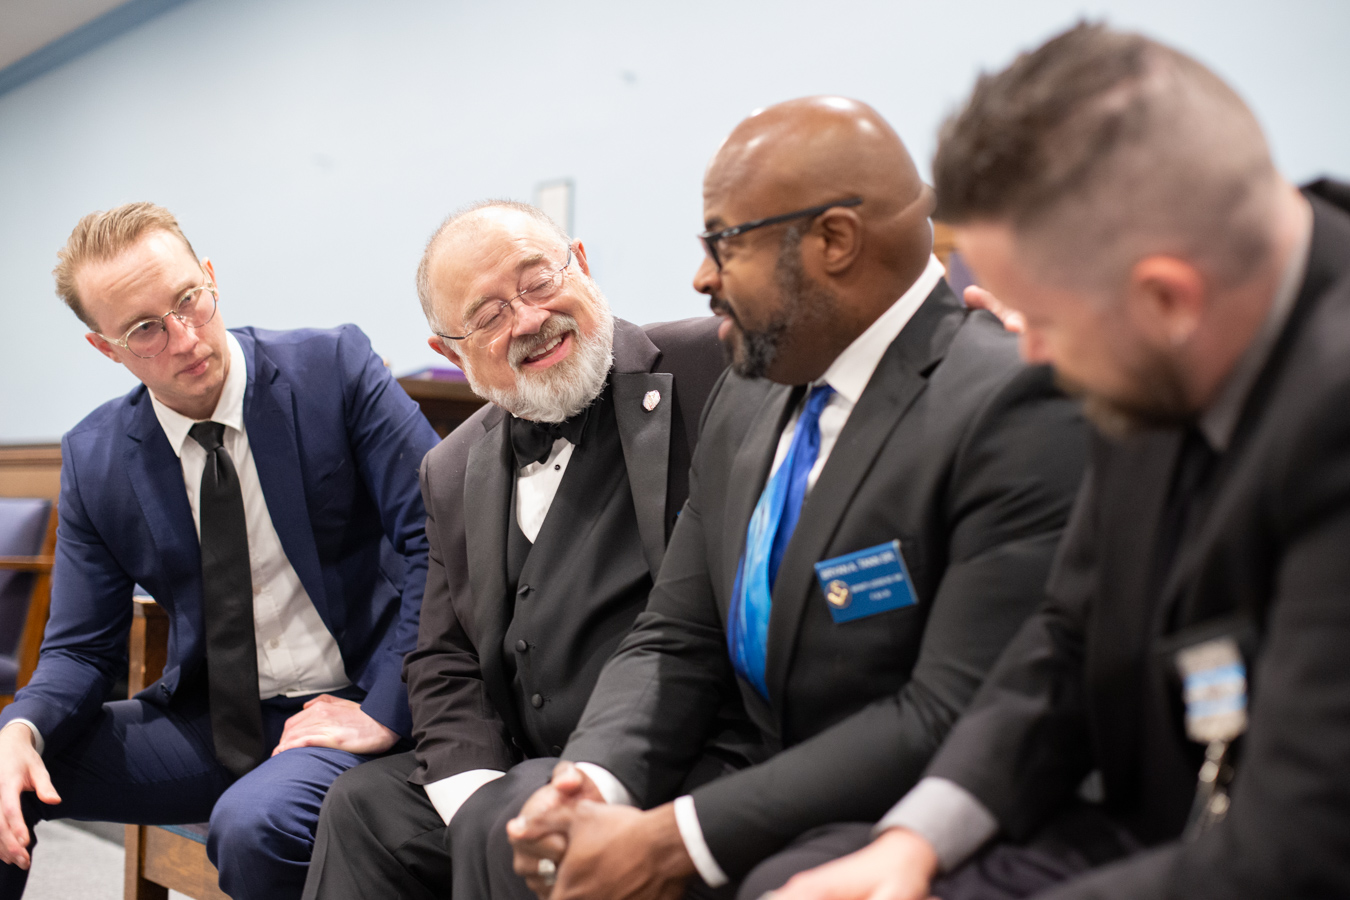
x=841 y=234
x=579 y=251
x=98 y=343
x=210 y=271
x=437 y=344
x=1167 y=297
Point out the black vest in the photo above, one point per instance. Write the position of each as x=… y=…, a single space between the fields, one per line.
x=578 y=588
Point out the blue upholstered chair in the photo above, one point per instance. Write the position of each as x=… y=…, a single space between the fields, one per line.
x=27 y=541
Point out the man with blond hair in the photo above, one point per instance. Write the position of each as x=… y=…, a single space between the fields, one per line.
x=262 y=487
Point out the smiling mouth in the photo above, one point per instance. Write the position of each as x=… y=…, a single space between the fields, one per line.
x=547 y=350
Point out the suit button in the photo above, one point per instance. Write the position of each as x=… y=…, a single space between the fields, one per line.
x=523 y=590
x=537 y=700
x=521 y=646
x=555 y=750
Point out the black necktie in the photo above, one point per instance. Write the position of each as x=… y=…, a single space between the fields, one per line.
x=533 y=441
x=227 y=599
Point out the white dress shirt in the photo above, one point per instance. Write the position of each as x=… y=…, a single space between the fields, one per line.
x=297 y=655
x=536 y=486
x=945 y=814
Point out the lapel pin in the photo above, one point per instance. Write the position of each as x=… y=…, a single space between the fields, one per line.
x=650 y=399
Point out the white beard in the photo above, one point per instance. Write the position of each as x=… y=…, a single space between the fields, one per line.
x=563 y=390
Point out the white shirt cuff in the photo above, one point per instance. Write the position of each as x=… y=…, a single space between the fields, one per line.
x=38 y=743
x=610 y=787
x=686 y=818
x=947 y=816
x=449 y=794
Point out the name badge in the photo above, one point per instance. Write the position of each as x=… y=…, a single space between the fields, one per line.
x=866 y=582
x=1214 y=686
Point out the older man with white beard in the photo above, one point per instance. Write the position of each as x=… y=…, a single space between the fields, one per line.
x=548 y=516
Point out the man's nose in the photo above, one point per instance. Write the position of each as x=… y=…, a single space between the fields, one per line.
x=529 y=319
x=181 y=337
x=708 y=278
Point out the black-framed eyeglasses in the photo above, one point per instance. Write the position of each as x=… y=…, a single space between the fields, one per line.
x=148 y=337
x=491 y=317
x=709 y=239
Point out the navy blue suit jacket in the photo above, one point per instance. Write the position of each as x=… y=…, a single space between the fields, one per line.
x=337 y=444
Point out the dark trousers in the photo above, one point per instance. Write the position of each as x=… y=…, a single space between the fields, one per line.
x=146 y=765
x=1074 y=842
x=379 y=836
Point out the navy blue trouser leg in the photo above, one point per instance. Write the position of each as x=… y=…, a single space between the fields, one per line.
x=142 y=764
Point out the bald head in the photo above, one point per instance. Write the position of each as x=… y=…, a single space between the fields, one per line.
x=846 y=235
x=471 y=225
x=814 y=150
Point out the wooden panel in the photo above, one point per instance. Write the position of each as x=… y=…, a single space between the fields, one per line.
x=944 y=241
x=149 y=644
x=135 y=887
x=179 y=864
x=30 y=470
x=446 y=404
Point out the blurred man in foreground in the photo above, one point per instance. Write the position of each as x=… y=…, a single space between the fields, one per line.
x=1191 y=657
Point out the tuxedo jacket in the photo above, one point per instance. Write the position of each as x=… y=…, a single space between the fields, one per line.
x=336 y=442
x=1091 y=683
x=468 y=712
x=968 y=458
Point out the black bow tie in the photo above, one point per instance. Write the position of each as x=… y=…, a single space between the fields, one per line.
x=533 y=441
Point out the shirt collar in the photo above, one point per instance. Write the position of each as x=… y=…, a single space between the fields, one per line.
x=1219 y=421
x=229 y=408
x=853 y=368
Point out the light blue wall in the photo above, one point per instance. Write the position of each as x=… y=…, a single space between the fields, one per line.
x=310 y=146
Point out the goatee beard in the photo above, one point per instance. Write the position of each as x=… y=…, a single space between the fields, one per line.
x=562 y=390
x=803 y=301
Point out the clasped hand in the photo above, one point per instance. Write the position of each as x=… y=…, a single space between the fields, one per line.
x=600 y=851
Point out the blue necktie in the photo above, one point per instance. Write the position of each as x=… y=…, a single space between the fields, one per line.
x=771 y=528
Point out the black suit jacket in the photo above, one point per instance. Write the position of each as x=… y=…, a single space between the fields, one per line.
x=465 y=712
x=1089 y=682
x=966 y=456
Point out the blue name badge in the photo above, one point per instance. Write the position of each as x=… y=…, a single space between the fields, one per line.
x=866 y=582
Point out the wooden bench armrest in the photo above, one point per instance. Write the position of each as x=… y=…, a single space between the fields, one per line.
x=27 y=563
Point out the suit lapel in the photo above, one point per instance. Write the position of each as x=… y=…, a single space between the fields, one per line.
x=489 y=474
x=156 y=477
x=750 y=472
x=645 y=435
x=269 y=419
x=899 y=378
x=1121 y=625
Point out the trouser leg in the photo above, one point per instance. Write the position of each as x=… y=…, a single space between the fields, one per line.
x=262 y=827
x=1079 y=839
x=478 y=846
x=135 y=763
x=379 y=836
x=814 y=848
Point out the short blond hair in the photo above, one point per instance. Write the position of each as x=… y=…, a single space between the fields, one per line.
x=100 y=236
